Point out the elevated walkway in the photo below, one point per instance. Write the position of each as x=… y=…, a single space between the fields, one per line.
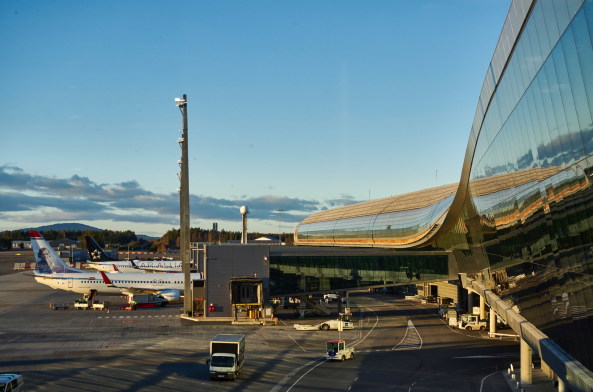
x=569 y=371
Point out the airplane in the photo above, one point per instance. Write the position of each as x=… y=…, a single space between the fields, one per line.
x=102 y=262
x=52 y=271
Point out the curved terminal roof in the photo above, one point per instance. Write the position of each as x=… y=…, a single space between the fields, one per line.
x=406 y=220
x=407 y=201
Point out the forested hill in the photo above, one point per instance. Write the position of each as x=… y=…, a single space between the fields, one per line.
x=63 y=226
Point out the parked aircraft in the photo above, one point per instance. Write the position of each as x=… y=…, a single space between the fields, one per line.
x=53 y=272
x=103 y=262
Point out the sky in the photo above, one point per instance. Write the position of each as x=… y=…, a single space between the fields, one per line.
x=293 y=106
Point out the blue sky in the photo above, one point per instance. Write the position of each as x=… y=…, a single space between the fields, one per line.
x=293 y=105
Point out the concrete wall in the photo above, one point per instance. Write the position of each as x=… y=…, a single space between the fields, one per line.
x=224 y=262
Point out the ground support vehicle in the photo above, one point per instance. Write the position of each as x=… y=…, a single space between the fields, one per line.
x=227 y=355
x=10 y=382
x=345 y=319
x=81 y=304
x=303 y=327
x=451 y=317
x=101 y=305
x=336 y=350
x=58 y=305
x=471 y=322
x=145 y=301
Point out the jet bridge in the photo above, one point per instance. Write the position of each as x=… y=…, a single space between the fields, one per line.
x=246 y=298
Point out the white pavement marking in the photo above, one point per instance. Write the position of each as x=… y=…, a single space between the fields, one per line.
x=289 y=376
x=296 y=342
x=376 y=322
x=410 y=389
x=304 y=374
x=411 y=340
x=482 y=383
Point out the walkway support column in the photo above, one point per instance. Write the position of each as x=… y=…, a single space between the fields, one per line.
x=470 y=301
x=492 y=321
x=482 y=308
x=561 y=385
x=526 y=371
x=547 y=371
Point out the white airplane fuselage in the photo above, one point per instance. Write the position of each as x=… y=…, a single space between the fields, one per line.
x=54 y=272
x=121 y=282
x=126 y=266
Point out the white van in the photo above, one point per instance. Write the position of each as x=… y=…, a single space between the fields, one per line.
x=11 y=382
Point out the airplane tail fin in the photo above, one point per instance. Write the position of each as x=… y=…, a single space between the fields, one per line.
x=95 y=251
x=106 y=280
x=47 y=259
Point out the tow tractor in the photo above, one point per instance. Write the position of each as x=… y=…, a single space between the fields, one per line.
x=471 y=322
x=336 y=350
x=343 y=318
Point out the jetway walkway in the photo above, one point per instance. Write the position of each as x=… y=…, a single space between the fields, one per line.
x=571 y=373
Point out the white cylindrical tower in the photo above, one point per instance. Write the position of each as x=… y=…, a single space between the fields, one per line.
x=244 y=211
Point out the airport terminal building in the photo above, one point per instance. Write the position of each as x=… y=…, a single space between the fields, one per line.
x=521 y=215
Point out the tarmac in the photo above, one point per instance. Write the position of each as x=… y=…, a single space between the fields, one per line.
x=18 y=291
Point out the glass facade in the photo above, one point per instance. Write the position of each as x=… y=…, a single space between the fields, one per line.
x=537 y=234
x=393 y=229
x=293 y=274
x=524 y=204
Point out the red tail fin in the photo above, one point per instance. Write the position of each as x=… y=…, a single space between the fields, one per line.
x=106 y=280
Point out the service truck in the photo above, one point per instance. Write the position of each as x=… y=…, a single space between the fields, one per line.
x=471 y=322
x=336 y=350
x=227 y=354
x=148 y=300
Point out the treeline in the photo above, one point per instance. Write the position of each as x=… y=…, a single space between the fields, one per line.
x=171 y=238
x=113 y=238
x=124 y=239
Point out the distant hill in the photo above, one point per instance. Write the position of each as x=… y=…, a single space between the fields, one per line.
x=64 y=226
x=80 y=227
x=147 y=237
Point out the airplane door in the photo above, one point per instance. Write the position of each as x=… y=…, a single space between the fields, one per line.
x=70 y=283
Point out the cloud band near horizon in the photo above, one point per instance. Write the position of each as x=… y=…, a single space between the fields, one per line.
x=26 y=198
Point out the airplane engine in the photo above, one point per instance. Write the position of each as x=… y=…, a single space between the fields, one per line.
x=171 y=295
